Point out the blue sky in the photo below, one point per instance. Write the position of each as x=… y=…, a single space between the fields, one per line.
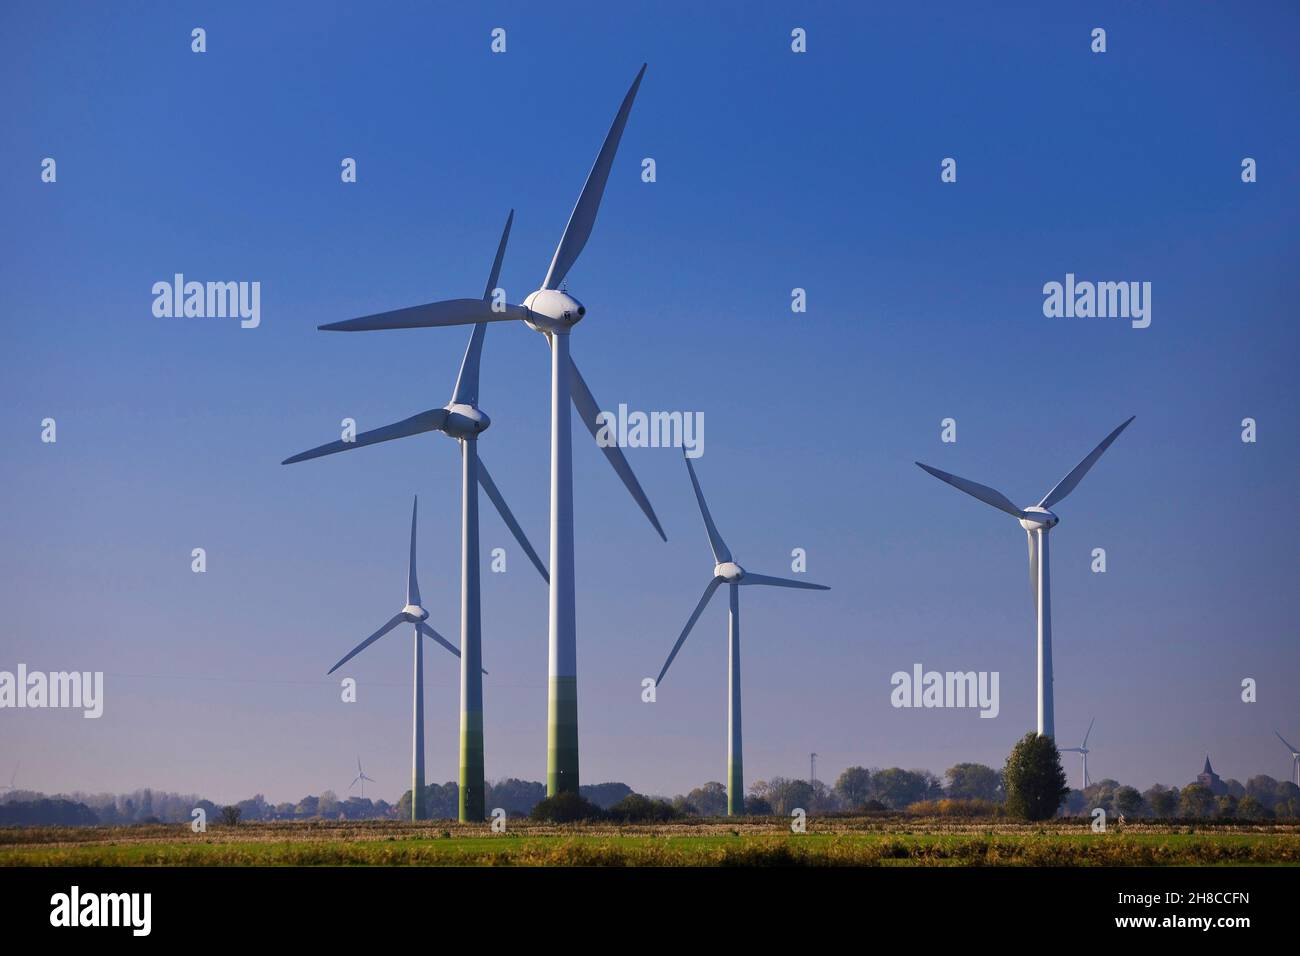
x=775 y=171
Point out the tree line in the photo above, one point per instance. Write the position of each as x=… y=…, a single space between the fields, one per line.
x=1031 y=784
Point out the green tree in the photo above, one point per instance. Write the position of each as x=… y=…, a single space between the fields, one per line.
x=1128 y=801
x=605 y=795
x=230 y=816
x=566 y=807
x=1162 y=800
x=1033 y=778
x=786 y=795
x=1225 y=806
x=1249 y=808
x=854 y=787
x=517 y=797
x=898 y=788
x=973 y=781
x=709 y=800
x=1196 y=800
x=635 y=808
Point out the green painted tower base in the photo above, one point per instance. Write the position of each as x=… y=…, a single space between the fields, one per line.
x=735 y=789
x=562 y=737
x=473 y=791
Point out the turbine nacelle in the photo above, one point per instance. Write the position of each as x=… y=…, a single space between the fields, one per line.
x=551 y=310
x=729 y=571
x=415 y=613
x=1039 y=519
x=465 y=421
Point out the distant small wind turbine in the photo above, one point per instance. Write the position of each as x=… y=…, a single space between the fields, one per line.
x=726 y=571
x=361 y=778
x=12 y=778
x=1037 y=521
x=1295 y=759
x=1082 y=749
x=417 y=616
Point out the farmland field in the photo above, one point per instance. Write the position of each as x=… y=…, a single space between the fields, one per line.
x=840 y=841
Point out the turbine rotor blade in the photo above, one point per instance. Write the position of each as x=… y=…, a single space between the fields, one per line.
x=493 y=493
x=428 y=631
x=395 y=620
x=466 y=390
x=767 y=579
x=720 y=551
x=1285 y=744
x=695 y=616
x=430 y=421
x=1089 y=733
x=432 y=315
x=990 y=496
x=412 y=585
x=588 y=411
x=583 y=216
x=1067 y=484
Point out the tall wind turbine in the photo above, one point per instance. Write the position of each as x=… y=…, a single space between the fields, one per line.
x=1295 y=759
x=1037 y=521
x=416 y=616
x=462 y=419
x=1082 y=749
x=727 y=571
x=553 y=312
x=361 y=777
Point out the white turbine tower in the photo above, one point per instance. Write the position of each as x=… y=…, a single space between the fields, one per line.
x=553 y=312
x=462 y=419
x=416 y=616
x=1082 y=749
x=727 y=571
x=361 y=778
x=12 y=779
x=1295 y=759
x=1037 y=521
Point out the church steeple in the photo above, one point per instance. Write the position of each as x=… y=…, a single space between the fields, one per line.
x=1209 y=779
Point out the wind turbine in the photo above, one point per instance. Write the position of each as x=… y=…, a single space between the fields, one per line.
x=12 y=778
x=1082 y=749
x=727 y=571
x=1295 y=759
x=462 y=419
x=553 y=312
x=361 y=778
x=416 y=616
x=1037 y=521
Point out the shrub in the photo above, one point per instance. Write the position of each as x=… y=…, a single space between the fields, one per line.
x=565 y=808
x=634 y=808
x=955 y=808
x=1034 y=779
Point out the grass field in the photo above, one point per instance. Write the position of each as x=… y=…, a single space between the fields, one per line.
x=892 y=841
